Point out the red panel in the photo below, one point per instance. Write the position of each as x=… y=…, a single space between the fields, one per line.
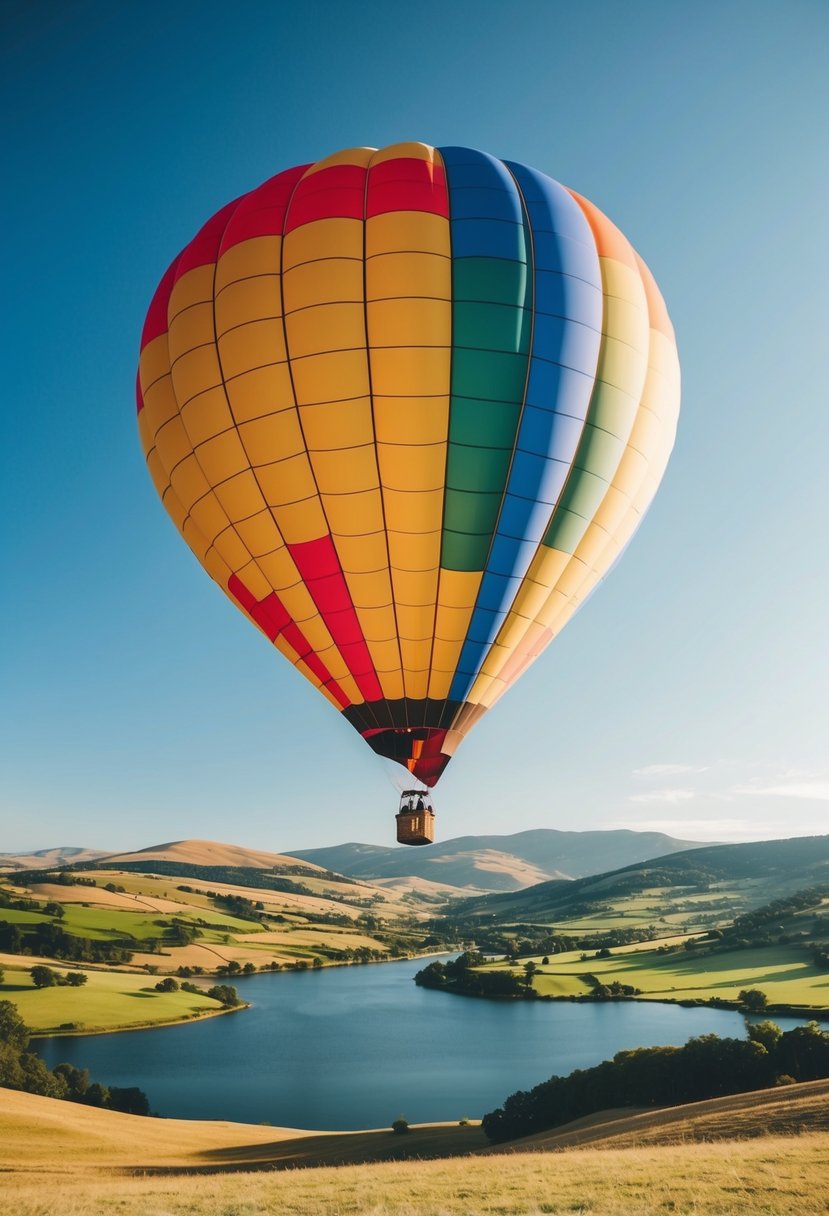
x=139 y=396
x=156 y=323
x=262 y=212
x=428 y=770
x=338 y=191
x=204 y=247
x=320 y=570
x=272 y=618
x=407 y=184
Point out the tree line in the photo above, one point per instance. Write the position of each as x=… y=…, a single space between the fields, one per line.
x=705 y=1067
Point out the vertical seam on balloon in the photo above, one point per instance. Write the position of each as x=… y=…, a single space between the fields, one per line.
x=255 y=560
x=493 y=537
x=376 y=453
x=448 y=426
x=366 y=702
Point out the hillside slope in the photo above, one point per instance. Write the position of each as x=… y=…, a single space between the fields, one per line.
x=61 y=855
x=500 y=863
x=209 y=853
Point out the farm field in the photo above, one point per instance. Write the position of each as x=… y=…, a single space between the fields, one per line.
x=109 y=1000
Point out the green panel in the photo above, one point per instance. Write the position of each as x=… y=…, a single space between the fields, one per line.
x=494 y=280
x=477 y=469
x=565 y=531
x=475 y=513
x=490 y=424
x=492 y=327
x=490 y=374
x=463 y=552
x=584 y=492
x=599 y=452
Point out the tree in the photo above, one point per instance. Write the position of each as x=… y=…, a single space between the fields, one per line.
x=753 y=999
x=76 y=1080
x=43 y=977
x=13 y=1030
x=225 y=994
x=767 y=1034
x=400 y=1126
x=167 y=985
x=530 y=969
x=76 y=979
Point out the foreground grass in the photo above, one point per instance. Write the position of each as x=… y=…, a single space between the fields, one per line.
x=772 y=1176
x=109 y=1000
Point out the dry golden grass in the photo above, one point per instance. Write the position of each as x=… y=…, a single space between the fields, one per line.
x=209 y=853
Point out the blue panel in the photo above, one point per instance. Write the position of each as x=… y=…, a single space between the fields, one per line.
x=551 y=206
x=569 y=343
x=566 y=296
x=477 y=238
x=486 y=203
x=558 y=388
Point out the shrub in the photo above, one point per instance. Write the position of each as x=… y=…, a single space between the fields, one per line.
x=400 y=1126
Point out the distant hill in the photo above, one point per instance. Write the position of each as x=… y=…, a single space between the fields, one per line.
x=772 y=868
x=500 y=863
x=208 y=853
x=61 y=855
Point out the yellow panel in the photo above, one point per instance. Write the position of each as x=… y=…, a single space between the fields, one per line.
x=416 y=588
x=391 y=683
x=323 y=281
x=193 y=287
x=374 y=591
x=254 y=580
x=196 y=372
x=317 y=636
x=451 y=624
x=191 y=328
x=349 y=156
x=279 y=568
x=212 y=561
x=416 y=679
x=301 y=521
x=328 y=238
x=414 y=513
x=459 y=588
x=415 y=551
x=415 y=622
x=209 y=515
x=338 y=424
x=623 y=282
x=260 y=535
x=173 y=443
x=248 y=300
x=232 y=549
x=410 y=468
x=391 y=275
x=410 y=322
x=160 y=406
x=154 y=361
x=261 y=391
x=299 y=604
x=254 y=256
x=160 y=476
x=404 y=231
x=411 y=371
x=272 y=438
x=206 y=415
x=623 y=366
x=326 y=327
x=188 y=481
x=222 y=457
x=174 y=508
x=144 y=433
x=287 y=481
x=345 y=472
x=255 y=345
x=410 y=150
x=411 y=420
x=378 y=624
x=355 y=514
x=241 y=497
x=331 y=377
x=625 y=320
x=363 y=554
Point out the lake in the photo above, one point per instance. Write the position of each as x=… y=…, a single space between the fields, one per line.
x=354 y=1047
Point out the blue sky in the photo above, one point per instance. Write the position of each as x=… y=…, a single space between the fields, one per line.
x=689 y=695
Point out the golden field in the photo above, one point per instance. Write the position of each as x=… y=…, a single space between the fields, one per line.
x=765 y=1153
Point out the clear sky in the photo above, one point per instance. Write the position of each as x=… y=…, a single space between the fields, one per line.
x=689 y=695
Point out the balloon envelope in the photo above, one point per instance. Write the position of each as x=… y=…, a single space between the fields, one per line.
x=407 y=407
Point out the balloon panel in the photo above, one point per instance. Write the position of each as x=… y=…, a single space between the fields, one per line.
x=407 y=407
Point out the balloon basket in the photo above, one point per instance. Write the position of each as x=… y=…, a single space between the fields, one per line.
x=415 y=819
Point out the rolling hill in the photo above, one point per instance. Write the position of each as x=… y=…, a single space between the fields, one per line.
x=762 y=870
x=210 y=853
x=500 y=863
x=61 y=855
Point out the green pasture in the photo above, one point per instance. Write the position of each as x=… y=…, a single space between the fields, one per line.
x=108 y=1001
x=784 y=973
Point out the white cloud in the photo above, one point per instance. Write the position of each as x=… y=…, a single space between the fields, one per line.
x=814 y=790
x=668 y=770
x=670 y=796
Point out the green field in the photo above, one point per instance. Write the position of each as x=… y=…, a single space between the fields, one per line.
x=108 y=1001
x=784 y=973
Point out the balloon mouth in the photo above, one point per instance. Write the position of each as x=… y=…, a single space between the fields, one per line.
x=420 y=749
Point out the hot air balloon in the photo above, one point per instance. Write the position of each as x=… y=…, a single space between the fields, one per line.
x=407 y=407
